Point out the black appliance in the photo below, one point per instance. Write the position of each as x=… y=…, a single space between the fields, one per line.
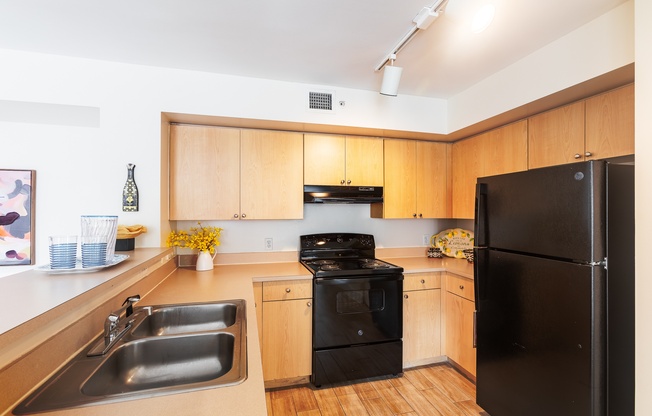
x=342 y=194
x=357 y=309
x=554 y=281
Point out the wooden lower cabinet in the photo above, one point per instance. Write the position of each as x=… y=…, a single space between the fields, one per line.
x=286 y=332
x=459 y=310
x=421 y=319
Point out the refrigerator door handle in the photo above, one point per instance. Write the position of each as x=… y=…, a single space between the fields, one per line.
x=475 y=332
x=480 y=219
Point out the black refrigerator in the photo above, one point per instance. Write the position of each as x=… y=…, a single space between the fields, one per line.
x=554 y=291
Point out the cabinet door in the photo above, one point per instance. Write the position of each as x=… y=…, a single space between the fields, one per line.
x=432 y=180
x=258 y=303
x=400 y=179
x=459 y=331
x=467 y=166
x=556 y=136
x=324 y=157
x=364 y=161
x=287 y=339
x=506 y=150
x=204 y=172
x=271 y=175
x=421 y=326
x=502 y=150
x=610 y=123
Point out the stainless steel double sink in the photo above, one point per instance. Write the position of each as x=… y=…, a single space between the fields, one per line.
x=167 y=349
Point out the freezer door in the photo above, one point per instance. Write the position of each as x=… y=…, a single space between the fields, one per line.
x=540 y=336
x=557 y=211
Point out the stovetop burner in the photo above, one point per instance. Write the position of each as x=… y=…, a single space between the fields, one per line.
x=339 y=255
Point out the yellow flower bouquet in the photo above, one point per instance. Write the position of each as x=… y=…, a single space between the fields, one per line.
x=199 y=238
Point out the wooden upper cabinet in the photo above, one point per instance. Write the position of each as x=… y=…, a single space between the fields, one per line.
x=556 y=136
x=364 y=161
x=399 y=199
x=599 y=127
x=221 y=173
x=502 y=150
x=204 y=172
x=324 y=159
x=271 y=172
x=415 y=180
x=343 y=160
x=610 y=124
x=432 y=180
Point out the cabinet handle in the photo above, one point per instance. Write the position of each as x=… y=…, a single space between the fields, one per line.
x=288 y=290
x=578 y=156
x=588 y=154
x=235 y=215
x=244 y=215
x=423 y=281
x=309 y=304
x=461 y=287
x=348 y=182
x=405 y=296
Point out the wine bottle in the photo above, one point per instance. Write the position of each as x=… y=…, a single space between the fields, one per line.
x=130 y=191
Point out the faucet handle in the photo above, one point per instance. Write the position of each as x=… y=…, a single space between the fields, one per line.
x=129 y=302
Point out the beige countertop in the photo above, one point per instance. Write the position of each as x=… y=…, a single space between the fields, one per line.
x=235 y=282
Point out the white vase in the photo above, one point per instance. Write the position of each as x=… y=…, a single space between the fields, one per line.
x=205 y=261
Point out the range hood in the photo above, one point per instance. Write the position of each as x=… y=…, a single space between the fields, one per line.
x=342 y=194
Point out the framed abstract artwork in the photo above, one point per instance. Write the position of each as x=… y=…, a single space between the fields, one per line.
x=16 y=217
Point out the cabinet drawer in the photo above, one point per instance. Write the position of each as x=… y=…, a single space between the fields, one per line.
x=420 y=281
x=460 y=286
x=287 y=289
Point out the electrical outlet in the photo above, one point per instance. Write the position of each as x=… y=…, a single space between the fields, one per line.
x=426 y=240
x=269 y=243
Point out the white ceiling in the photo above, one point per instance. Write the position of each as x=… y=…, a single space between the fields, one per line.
x=335 y=43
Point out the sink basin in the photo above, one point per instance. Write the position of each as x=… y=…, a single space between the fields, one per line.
x=150 y=364
x=172 y=319
x=168 y=349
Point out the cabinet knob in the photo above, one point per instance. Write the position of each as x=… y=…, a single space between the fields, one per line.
x=288 y=290
x=244 y=215
x=309 y=304
x=342 y=182
x=578 y=156
x=235 y=215
x=348 y=182
x=405 y=296
x=588 y=154
x=461 y=287
x=420 y=215
x=423 y=281
x=414 y=215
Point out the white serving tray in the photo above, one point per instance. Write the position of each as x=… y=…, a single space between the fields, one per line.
x=118 y=258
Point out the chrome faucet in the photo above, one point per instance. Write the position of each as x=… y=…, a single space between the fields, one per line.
x=112 y=328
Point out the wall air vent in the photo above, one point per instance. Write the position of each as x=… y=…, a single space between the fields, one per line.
x=320 y=101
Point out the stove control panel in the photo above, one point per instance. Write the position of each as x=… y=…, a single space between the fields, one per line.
x=331 y=241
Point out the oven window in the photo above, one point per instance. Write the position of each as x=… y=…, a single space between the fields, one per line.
x=360 y=301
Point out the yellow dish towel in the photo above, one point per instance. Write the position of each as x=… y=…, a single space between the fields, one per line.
x=130 y=231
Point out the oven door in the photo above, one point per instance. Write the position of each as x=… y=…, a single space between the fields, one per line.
x=357 y=310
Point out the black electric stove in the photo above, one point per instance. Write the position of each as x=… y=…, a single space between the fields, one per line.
x=357 y=309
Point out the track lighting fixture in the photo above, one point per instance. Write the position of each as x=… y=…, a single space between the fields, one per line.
x=392 y=74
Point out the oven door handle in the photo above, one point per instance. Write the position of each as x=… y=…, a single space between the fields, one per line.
x=352 y=279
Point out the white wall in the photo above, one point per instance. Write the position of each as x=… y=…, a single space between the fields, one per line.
x=643 y=133
x=598 y=47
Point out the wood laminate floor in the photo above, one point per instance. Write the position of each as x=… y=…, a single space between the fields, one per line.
x=425 y=391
